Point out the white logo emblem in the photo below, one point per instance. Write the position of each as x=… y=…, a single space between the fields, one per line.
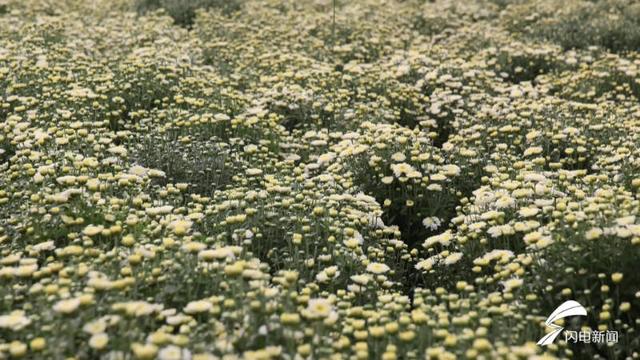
x=568 y=308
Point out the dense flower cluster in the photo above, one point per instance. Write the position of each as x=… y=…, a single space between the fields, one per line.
x=421 y=180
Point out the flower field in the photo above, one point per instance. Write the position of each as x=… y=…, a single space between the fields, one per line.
x=317 y=179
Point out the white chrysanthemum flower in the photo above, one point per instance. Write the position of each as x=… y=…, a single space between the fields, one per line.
x=398 y=157
x=92 y=230
x=426 y=264
x=404 y=169
x=180 y=226
x=431 y=223
x=66 y=306
x=98 y=341
x=173 y=352
x=326 y=158
x=512 y=284
x=44 y=246
x=15 y=321
x=443 y=239
x=253 y=172
x=528 y=211
x=199 y=306
x=319 y=308
x=377 y=268
x=451 y=170
x=95 y=327
x=361 y=279
x=593 y=233
x=453 y=258
x=160 y=210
